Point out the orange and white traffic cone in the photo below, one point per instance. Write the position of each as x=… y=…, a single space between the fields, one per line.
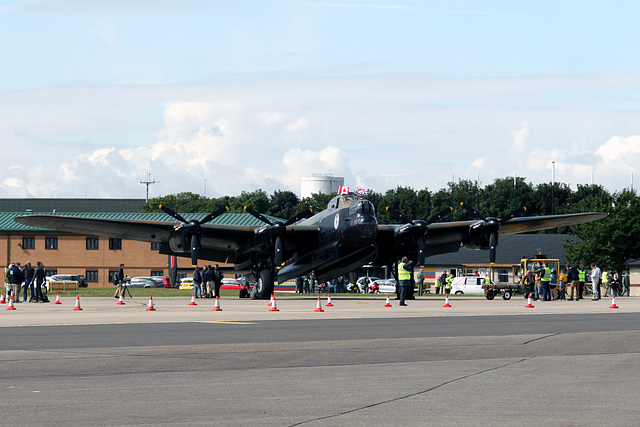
x=2 y=301
x=446 y=301
x=217 y=306
x=274 y=307
x=120 y=300
x=270 y=301
x=150 y=306
x=319 y=306
x=328 y=304
x=10 y=306
x=57 y=298
x=193 y=299
x=388 y=303
x=77 y=307
x=529 y=305
x=613 y=303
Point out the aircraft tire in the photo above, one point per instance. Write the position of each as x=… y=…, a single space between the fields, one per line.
x=264 y=286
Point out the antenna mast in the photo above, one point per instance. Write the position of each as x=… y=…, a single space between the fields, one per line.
x=147 y=183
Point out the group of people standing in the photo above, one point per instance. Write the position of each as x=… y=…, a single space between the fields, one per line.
x=207 y=282
x=546 y=284
x=26 y=278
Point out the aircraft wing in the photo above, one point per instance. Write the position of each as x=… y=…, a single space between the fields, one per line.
x=444 y=237
x=146 y=231
x=217 y=242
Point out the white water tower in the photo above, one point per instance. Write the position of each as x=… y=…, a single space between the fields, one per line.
x=323 y=183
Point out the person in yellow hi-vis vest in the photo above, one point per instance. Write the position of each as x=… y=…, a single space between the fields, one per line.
x=447 y=284
x=404 y=277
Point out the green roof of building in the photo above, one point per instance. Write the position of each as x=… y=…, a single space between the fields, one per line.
x=7 y=223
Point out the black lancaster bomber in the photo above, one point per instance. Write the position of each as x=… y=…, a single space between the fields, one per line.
x=331 y=243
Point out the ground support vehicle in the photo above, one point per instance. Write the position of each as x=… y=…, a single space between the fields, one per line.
x=507 y=290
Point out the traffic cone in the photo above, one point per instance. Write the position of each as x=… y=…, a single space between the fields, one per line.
x=613 y=303
x=319 y=306
x=446 y=301
x=217 y=306
x=388 y=304
x=77 y=307
x=274 y=307
x=2 y=301
x=57 y=298
x=270 y=301
x=529 y=305
x=120 y=300
x=10 y=306
x=150 y=306
x=193 y=299
x=328 y=304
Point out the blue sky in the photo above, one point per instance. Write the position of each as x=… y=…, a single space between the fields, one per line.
x=96 y=95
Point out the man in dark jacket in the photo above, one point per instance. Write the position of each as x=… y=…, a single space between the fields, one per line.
x=39 y=281
x=217 y=278
x=29 y=272
x=16 y=280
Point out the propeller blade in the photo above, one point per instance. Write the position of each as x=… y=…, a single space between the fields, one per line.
x=493 y=242
x=214 y=215
x=472 y=211
x=421 y=251
x=439 y=215
x=278 y=249
x=304 y=214
x=258 y=215
x=513 y=214
x=195 y=244
x=172 y=213
x=398 y=215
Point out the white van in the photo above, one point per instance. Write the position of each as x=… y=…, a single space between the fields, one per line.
x=471 y=285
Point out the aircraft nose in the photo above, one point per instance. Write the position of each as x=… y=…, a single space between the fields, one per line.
x=367 y=226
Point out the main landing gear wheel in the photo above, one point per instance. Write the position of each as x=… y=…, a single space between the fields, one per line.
x=264 y=286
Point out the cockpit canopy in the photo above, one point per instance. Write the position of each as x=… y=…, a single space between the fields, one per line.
x=358 y=206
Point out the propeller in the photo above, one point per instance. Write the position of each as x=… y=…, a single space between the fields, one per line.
x=491 y=226
x=276 y=229
x=418 y=228
x=192 y=228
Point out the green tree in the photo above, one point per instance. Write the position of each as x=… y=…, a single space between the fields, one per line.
x=283 y=204
x=610 y=241
x=258 y=200
x=186 y=202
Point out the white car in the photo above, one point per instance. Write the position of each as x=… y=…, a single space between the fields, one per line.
x=471 y=285
x=385 y=286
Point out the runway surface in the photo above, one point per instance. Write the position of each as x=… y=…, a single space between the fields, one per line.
x=478 y=363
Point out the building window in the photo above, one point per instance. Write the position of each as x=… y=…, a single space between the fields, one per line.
x=155 y=246
x=115 y=244
x=51 y=243
x=93 y=243
x=157 y=273
x=28 y=243
x=503 y=275
x=49 y=273
x=92 y=276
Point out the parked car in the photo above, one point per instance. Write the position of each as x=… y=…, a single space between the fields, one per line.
x=165 y=280
x=145 y=282
x=82 y=282
x=229 y=283
x=384 y=286
x=186 y=283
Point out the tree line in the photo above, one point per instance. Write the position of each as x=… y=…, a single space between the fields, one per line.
x=611 y=241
